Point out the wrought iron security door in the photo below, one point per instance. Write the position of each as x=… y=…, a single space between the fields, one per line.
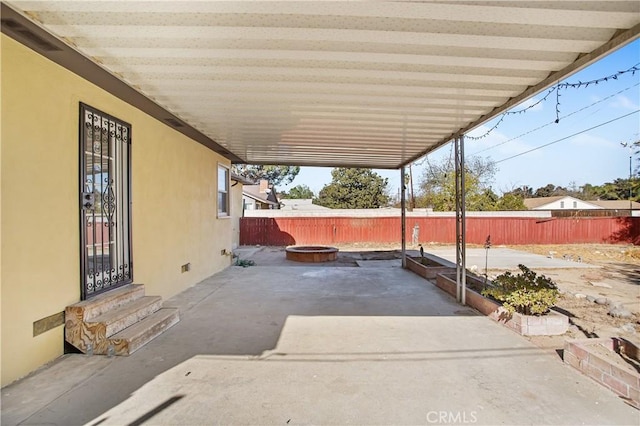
x=105 y=200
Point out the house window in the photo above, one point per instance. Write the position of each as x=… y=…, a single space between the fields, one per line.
x=575 y=204
x=562 y=204
x=223 y=191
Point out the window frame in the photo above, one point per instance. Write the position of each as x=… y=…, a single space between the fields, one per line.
x=226 y=212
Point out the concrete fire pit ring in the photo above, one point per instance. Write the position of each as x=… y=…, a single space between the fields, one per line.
x=312 y=254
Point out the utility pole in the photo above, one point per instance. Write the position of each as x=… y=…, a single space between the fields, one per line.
x=630 y=146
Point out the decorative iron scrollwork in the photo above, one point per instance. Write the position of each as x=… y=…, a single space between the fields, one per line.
x=109 y=200
x=105 y=157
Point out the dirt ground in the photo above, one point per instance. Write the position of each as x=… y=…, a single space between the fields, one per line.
x=617 y=279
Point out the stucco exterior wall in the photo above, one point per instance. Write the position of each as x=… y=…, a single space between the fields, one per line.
x=174 y=193
x=236 y=212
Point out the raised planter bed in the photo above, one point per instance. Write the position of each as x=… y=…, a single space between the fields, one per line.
x=443 y=272
x=428 y=268
x=612 y=362
x=551 y=324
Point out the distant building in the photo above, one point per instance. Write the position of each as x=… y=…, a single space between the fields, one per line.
x=236 y=207
x=564 y=202
x=560 y=202
x=616 y=204
x=300 y=204
x=260 y=197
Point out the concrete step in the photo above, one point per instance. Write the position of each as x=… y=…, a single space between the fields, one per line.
x=133 y=338
x=108 y=301
x=117 y=322
x=128 y=314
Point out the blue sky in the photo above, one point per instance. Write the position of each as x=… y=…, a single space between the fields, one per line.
x=594 y=156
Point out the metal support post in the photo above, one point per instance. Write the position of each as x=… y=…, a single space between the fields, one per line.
x=461 y=276
x=403 y=217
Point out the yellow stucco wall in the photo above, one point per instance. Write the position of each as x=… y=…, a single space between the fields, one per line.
x=236 y=213
x=0 y=214
x=174 y=192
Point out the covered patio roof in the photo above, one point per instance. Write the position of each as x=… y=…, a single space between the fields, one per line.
x=362 y=84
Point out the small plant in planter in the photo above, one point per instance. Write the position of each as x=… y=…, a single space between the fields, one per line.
x=526 y=292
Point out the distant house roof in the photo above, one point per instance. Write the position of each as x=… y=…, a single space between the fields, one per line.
x=535 y=203
x=243 y=180
x=259 y=193
x=302 y=204
x=532 y=203
x=616 y=204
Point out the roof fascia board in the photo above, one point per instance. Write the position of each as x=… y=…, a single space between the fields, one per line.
x=241 y=179
x=312 y=164
x=29 y=33
x=262 y=200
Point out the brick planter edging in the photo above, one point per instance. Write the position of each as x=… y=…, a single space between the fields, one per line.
x=551 y=324
x=625 y=382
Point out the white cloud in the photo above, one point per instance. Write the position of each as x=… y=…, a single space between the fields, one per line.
x=586 y=140
x=623 y=102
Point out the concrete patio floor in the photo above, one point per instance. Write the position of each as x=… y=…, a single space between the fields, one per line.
x=317 y=345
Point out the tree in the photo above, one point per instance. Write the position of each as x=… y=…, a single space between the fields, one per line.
x=274 y=174
x=486 y=200
x=438 y=185
x=354 y=189
x=298 y=192
x=522 y=192
x=619 y=189
x=589 y=192
x=616 y=190
x=550 y=190
x=511 y=201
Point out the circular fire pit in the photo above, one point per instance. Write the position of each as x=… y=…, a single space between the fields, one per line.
x=313 y=254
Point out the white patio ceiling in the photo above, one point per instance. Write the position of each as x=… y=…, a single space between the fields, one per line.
x=372 y=84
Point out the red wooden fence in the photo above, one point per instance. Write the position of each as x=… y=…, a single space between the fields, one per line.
x=282 y=231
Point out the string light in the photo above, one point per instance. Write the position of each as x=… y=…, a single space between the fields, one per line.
x=567 y=137
x=556 y=88
x=553 y=122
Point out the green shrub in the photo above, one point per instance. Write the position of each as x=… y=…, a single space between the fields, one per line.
x=244 y=262
x=526 y=292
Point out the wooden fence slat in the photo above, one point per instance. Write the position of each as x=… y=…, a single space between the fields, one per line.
x=503 y=230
